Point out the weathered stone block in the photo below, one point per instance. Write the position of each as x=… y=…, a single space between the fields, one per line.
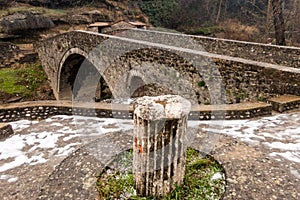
x=5 y=131
x=159 y=143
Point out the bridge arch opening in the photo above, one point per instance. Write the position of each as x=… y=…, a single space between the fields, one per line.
x=80 y=80
x=137 y=87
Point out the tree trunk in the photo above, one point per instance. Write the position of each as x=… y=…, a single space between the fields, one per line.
x=219 y=12
x=278 y=21
x=268 y=23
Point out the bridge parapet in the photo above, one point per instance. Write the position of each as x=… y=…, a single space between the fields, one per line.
x=274 y=54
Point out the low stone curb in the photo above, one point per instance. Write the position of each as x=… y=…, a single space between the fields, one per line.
x=38 y=110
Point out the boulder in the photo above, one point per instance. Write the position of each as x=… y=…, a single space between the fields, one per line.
x=78 y=19
x=23 y=21
x=97 y=16
x=8 y=52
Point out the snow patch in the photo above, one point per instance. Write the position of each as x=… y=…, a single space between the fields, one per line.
x=217 y=176
x=292 y=156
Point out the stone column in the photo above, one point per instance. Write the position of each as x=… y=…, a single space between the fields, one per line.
x=160 y=144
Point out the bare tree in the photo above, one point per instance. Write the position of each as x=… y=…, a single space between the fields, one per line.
x=291 y=18
x=268 y=20
x=219 y=11
x=5 y=3
x=278 y=21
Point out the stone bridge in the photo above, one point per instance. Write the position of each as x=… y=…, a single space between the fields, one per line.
x=87 y=65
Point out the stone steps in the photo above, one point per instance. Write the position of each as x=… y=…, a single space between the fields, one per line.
x=284 y=102
x=230 y=111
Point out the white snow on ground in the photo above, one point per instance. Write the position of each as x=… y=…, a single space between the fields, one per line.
x=22 y=124
x=292 y=156
x=295 y=173
x=9 y=178
x=217 y=176
x=31 y=148
x=279 y=133
x=12 y=148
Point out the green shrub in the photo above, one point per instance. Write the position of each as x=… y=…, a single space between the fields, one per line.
x=205 y=30
x=22 y=81
x=160 y=12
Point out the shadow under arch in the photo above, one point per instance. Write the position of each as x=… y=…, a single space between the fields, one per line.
x=77 y=79
x=138 y=88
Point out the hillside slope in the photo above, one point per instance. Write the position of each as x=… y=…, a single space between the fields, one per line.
x=33 y=18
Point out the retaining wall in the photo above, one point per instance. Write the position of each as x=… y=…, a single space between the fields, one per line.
x=285 y=103
x=44 y=109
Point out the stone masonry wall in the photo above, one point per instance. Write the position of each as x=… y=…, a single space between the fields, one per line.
x=244 y=80
x=43 y=110
x=281 y=55
x=257 y=81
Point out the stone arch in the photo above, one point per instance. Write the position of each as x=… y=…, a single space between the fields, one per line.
x=67 y=76
x=79 y=79
x=139 y=85
x=64 y=82
x=136 y=82
x=160 y=69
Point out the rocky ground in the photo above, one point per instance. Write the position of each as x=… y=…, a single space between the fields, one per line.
x=59 y=158
x=31 y=20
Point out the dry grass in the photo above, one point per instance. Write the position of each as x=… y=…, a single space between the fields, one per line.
x=25 y=7
x=233 y=29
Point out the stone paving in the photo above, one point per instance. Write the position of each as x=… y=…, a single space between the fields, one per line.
x=58 y=158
